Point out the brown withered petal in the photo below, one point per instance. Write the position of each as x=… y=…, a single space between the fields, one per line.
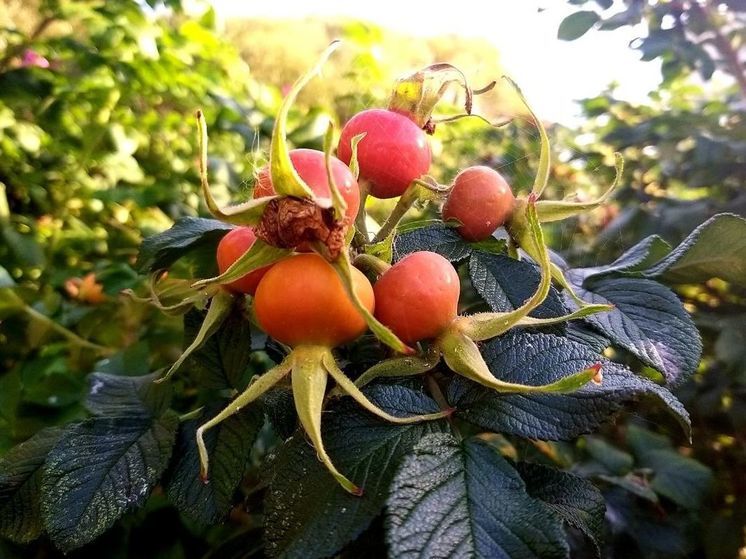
x=288 y=222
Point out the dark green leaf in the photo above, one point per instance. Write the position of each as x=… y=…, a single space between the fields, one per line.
x=437 y=238
x=222 y=361
x=20 y=477
x=304 y=501
x=613 y=460
x=649 y=321
x=683 y=480
x=100 y=469
x=544 y=358
x=717 y=248
x=452 y=499
x=111 y=395
x=229 y=445
x=576 y=25
x=574 y=499
x=162 y=250
x=636 y=259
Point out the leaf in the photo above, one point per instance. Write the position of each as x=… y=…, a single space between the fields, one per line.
x=506 y=283
x=223 y=359
x=717 y=248
x=574 y=499
x=100 y=469
x=539 y=358
x=638 y=258
x=437 y=238
x=305 y=501
x=112 y=395
x=20 y=478
x=683 y=480
x=162 y=250
x=229 y=445
x=452 y=499
x=649 y=321
x=576 y=25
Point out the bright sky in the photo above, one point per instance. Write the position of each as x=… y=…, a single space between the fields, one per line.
x=552 y=73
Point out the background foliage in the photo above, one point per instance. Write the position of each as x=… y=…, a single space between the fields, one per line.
x=97 y=150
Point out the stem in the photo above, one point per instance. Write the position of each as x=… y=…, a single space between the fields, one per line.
x=64 y=332
x=402 y=206
x=368 y=262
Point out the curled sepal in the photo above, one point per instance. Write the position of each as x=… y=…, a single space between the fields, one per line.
x=309 y=380
x=482 y=326
x=343 y=268
x=180 y=290
x=542 y=174
x=401 y=367
x=416 y=95
x=549 y=210
x=582 y=312
x=521 y=236
x=247 y=213
x=257 y=387
x=354 y=164
x=260 y=254
x=462 y=356
x=285 y=179
x=338 y=202
x=352 y=390
x=219 y=308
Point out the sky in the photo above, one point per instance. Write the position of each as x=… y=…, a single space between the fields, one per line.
x=552 y=73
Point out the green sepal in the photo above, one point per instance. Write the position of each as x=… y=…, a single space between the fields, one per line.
x=582 y=312
x=338 y=202
x=542 y=174
x=219 y=309
x=354 y=163
x=247 y=213
x=309 y=378
x=401 y=367
x=519 y=229
x=483 y=326
x=260 y=254
x=462 y=356
x=257 y=387
x=285 y=179
x=343 y=268
x=549 y=210
x=351 y=389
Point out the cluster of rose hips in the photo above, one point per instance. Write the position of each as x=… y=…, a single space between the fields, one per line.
x=298 y=245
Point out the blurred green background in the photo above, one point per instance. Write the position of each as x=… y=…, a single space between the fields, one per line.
x=98 y=148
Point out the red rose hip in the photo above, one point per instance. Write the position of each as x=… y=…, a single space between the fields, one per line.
x=230 y=248
x=418 y=296
x=392 y=154
x=481 y=200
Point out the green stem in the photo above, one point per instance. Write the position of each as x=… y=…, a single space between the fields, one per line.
x=368 y=262
x=402 y=207
x=65 y=333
